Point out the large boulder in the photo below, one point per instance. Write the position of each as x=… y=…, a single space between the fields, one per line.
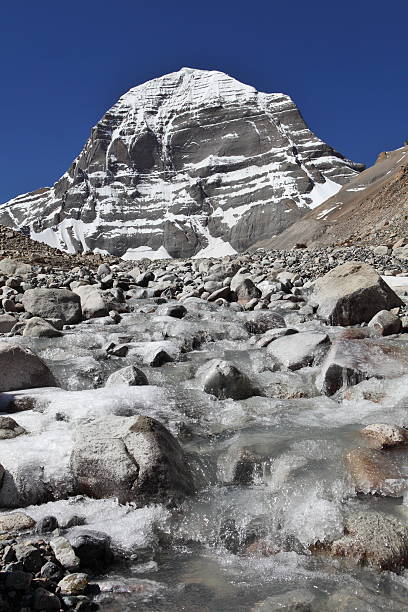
x=299 y=350
x=53 y=304
x=132 y=458
x=20 y=368
x=373 y=538
x=224 y=380
x=352 y=293
x=97 y=303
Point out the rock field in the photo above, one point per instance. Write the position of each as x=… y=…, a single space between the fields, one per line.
x=197 y=434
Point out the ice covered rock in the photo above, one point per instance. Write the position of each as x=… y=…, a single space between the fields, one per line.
x=386 y=323
x=373 y=538
x=9 y=428
x=130 y=376
x=39 y=328
x=53 y=304
x=223 y=379
x=383 y=435
x=20 y=368
x=352 y=293
x=350 y=361
x=134 y=459
x=299 y=350
x=178 y=311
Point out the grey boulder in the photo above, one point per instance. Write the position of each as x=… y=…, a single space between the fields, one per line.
x=39 y=328
x=352 y=293
x=224 y=380
x=53 y=304
x=299 y=350
x=132 y=458
x=129 y=376
x=20 y=368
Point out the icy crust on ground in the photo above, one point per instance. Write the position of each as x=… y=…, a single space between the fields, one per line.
x=191 y=162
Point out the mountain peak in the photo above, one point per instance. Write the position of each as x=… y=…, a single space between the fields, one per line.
x=192 y=162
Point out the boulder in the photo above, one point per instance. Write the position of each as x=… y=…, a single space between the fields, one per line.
x=386 y=323
x=135 y=459
x=20 y=368
x=373 y=538
x=9 y=428
x=247 y=291
x=39 y=328
x=351 y=294
x=64 y=553
x=382 y=435
x=224 y=380
x=73 y=584
x=129 y=376
x=16 y=521
x=178 y=311
x=93 y=550
x=97 y=303
x=373 y=472
x=7 y=322
x=274 y=334
x=53 y=304
x=299 y=350
x=261 y=321
x=350 y=361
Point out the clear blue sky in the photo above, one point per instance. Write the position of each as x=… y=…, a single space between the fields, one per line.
x=64 y=63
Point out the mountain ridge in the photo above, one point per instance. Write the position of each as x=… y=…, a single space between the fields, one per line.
x=189 y=163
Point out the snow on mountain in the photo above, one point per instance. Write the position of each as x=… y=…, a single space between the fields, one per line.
x=191 y=163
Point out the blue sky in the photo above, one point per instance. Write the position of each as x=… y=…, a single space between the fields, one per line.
x=63 y=64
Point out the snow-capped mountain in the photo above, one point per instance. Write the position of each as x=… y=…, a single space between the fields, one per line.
x=191 y=163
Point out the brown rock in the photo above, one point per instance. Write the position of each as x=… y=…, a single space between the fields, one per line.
x=16 y=521
x=374 y=472
x=382 y=435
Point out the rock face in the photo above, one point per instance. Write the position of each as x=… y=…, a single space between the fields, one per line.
x=134 y=459
x=190 y=161
x=352 y=293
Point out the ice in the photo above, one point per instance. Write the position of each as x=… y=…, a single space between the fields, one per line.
x=130 y=528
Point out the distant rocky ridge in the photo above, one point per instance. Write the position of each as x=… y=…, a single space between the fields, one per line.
x=372 y=209
x=190 y=163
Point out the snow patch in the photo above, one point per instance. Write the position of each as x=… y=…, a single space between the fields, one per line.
x=146 y=252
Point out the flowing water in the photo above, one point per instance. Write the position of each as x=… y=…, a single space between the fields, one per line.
x=271 y=482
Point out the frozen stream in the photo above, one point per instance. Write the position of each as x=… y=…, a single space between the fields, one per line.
x=271 y=481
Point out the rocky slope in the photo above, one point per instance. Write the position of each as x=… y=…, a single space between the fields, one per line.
x=192 y=162
x=371 y=209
